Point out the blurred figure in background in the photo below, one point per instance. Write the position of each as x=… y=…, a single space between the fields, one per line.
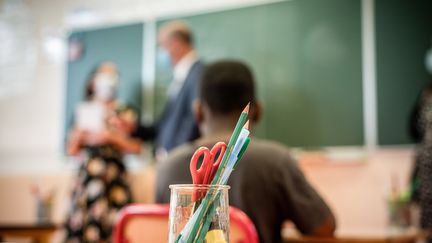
x=177 y=124
x=267 y=184
x=103 y=131
x=421 y=131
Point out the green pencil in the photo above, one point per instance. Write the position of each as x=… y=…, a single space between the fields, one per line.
x=240 y=123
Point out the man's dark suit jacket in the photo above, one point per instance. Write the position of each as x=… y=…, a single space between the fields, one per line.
x=177 y=124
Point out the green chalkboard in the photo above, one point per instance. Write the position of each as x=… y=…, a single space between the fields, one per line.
x=306 y=56
x=403 y=34
x=121 y=45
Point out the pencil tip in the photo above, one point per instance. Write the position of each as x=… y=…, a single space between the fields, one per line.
x=246 y=125
x=246 y=109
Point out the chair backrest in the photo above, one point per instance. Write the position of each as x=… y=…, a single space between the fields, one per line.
x=242 y=230
x=149 y=223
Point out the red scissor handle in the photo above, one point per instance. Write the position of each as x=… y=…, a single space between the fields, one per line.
x=209 y=165
x=220 y=148
x=198 y=175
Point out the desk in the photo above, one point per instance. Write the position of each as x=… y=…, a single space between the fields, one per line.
x=363 y=236
x=39 y=233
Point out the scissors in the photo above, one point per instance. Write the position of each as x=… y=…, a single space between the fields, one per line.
x=209 y=165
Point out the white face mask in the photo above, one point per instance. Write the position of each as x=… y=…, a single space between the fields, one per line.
x=163 y=57
x=428 y=61
x=105 y=86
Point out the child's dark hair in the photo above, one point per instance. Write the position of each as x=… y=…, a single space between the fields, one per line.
x=89 y=89
x=227 y=86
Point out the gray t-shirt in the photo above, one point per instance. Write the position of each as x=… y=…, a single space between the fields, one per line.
x=266 y=184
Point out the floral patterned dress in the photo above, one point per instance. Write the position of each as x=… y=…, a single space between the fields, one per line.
x=100 y=191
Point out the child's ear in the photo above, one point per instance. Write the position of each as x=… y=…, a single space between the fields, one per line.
x=256 y=112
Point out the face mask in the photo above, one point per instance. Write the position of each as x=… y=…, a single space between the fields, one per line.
x=428 y=61
x=163 y=57
x=105 y=86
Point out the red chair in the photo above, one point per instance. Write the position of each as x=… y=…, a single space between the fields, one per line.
x=149 y=223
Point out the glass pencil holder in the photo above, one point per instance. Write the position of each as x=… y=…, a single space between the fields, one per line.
x=187 y=199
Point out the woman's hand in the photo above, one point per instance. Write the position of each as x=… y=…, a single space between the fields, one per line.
x=97 y=138
x=74 y=141
x=79 y=138
x=124 y=142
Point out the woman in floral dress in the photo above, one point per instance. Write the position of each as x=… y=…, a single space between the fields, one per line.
x=103 y=132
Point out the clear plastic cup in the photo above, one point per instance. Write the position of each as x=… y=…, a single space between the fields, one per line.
x=186 y=198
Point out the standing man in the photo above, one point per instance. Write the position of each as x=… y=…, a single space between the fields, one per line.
x=177 y=124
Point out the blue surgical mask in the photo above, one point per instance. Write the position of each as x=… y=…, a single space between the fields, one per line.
x=163 y=58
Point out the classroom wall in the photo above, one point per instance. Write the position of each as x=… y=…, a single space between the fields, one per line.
x=41 y=100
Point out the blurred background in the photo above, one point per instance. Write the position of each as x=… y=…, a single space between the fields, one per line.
x=338 y=79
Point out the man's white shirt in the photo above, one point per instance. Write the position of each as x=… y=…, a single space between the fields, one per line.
x=180 y=72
